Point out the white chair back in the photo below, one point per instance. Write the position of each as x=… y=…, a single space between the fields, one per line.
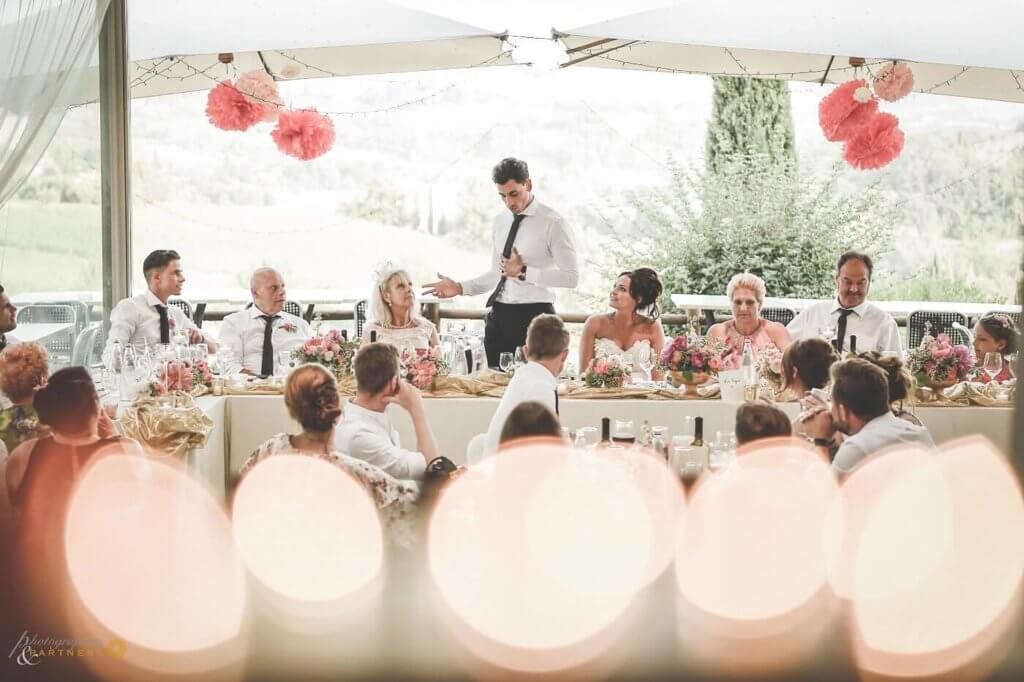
x=475 y=449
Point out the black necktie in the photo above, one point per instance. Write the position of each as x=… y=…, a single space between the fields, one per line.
x=841 y=328
x=165 y=326
x=556 y=403
x=506 y=253
x=267 y=368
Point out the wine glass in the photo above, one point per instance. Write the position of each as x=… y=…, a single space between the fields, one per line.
x=645 y=358
x=993 y=365
x=284 y=363
x=686 y=434
x=828 y=333
x=505 y=362
x=520 y=356
x=589 y=435
x=1011 y=364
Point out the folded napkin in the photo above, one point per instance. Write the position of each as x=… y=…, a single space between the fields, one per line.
x=482 y=383
x=173 y=429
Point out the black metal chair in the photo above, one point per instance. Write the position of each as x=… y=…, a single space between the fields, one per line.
x=293 y=308
x=360 y=317
x=308 y=316
x=200 y=314
x=781 y=315
x=920 y=321
x=59 y=346
x=185 y=306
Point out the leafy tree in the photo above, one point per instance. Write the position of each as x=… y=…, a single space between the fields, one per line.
x=381 y=204
x=749 y=117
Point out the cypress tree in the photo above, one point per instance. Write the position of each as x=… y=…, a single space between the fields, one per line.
x=750 y=117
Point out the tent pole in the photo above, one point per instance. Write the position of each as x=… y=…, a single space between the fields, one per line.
x=115 y=152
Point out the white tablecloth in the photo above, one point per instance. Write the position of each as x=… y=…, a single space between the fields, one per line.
x=244 y=422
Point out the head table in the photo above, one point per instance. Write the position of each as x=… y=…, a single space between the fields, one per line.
x=243 y=422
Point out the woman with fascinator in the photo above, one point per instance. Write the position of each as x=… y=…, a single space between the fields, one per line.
x=393 y=312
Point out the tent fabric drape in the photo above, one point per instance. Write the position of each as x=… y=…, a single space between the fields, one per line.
x=45 y=49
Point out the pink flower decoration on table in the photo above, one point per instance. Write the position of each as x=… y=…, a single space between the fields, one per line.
x=844 y=110
x=876 y=144
x=259 y=87
x=698 y=360
x=304 y=134
x=715 y=364
x=894 y=81
x=229 y=109
x=940 y=352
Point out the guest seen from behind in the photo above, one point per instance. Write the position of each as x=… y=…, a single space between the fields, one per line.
x=366 y=432
x=147 y=319
x=850 y=314
x=758 y=421
x=995 y=333
x=547 y=347
x=533 y=252
x=394 y=315
x=901 y=384
x=255 y=335
x=860 y=411
x=311 y=396
x=24 y=368
x=633 y=328
x=746 y=294
x=529 y=420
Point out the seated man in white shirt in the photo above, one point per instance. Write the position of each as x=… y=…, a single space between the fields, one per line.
x=850 y=314
x=146 y=318
x=861 y=411
x=257 y=334
x=365 y=431
x=547 y=347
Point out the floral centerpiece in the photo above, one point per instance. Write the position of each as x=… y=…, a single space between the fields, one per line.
x=769 y=368
x=332 y=350
x=423 y=366
x=188 y=376
x=691 y=360
x=937 y=363
x=606 y=372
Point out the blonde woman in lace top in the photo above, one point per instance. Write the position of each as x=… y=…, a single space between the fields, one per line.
x=311 y=395
x=393 y=314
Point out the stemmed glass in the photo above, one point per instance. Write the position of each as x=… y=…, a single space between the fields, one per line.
x=520 y=356
x=505 y=362
x=645 y=358
x=828 y=333
x=993 y=365
x=1011 y=364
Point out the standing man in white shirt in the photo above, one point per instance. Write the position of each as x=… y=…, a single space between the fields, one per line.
x=147 y=318
x=860 y=411
x=850 y=314
x=533 y=250
x=547 y=347
x=255 y=335
x=365 y=431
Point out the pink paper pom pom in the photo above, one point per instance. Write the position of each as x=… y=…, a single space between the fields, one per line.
x=841 y=113
x=259 y=87
x=304 y=134
x=229 y=109
x=894 y=81
x=876 y=143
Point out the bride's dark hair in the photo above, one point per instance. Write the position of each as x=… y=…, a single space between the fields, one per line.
x=645 y=288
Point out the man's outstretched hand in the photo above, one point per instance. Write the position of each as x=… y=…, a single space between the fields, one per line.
x=445 y=287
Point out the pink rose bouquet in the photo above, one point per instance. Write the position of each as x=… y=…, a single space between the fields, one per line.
x=422 y=366
x=691 y=356
x=606 y=372
x=331 y=350
x=182 y=375
x=937 y=361
x=769 y=366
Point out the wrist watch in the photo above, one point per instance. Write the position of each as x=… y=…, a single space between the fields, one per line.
x=822 y=442
x=522 y=274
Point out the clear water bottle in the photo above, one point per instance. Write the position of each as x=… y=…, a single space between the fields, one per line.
x=749 y=370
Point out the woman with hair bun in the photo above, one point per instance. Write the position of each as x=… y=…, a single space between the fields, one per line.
x=632 y=325
x=311 y=396
x=901 y=383
x=23 y=371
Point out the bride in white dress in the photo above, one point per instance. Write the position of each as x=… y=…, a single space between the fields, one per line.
x=393 y=313
x=632 y=328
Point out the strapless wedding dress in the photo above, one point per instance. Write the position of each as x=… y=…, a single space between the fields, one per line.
x=605 y=347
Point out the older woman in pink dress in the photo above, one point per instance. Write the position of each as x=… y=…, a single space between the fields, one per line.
x=746 y=293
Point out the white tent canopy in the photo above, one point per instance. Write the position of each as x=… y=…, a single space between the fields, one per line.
x=174 y=46
x=955 y=50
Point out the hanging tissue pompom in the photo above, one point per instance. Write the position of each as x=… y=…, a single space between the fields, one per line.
x=260 y=87
x=229 y=109
x=875 y=144
x=304 y=134
x=845 y=109
x=894 y=81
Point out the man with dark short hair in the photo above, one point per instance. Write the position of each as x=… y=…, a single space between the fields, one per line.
x=147 y=318
x=850 y=313
x=365 y=430
x=533 y=250
x=860 y=411
x=8 y=319
x=758 y=420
